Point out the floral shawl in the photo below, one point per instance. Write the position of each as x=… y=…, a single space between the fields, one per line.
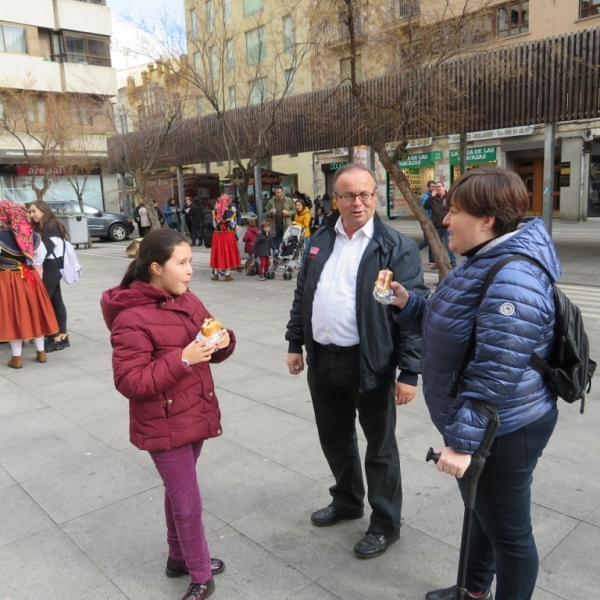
x=16 y=217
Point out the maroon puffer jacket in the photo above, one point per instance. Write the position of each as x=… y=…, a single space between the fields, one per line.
x=170 y=404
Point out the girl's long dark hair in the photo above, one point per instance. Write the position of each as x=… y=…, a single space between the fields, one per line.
x=48 y=218
x=156 y=247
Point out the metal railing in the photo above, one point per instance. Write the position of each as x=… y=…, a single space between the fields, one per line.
x=403 y=8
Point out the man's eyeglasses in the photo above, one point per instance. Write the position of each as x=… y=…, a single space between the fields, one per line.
x=348 y=197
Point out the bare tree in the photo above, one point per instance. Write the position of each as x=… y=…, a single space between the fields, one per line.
x=421 y=51
x=154 y=113
x=229 y=69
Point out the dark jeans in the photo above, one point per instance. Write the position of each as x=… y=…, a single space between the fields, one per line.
x=501 y=537
x=425 y=244
x=333 y=384
x=278 y=235
x=183 y=508
x=51 y=279
x=443 y=233
x=196 y=234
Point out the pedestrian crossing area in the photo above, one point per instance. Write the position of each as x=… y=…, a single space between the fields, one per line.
x=586 y=297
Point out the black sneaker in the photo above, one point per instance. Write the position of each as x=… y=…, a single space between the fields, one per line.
x=52 y=345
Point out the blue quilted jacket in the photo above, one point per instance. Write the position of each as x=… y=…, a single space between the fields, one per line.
x=515 y=319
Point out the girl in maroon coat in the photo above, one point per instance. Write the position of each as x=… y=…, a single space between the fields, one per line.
x=164 y=372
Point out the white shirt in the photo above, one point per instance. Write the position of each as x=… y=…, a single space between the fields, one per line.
x=334 y=304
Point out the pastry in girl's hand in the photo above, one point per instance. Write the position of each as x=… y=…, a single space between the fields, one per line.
x=211 y=330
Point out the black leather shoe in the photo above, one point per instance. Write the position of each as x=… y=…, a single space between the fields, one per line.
x=330 y=516
x=450 y=594
x=177 y=568
x=374 y=544
x=200 y=591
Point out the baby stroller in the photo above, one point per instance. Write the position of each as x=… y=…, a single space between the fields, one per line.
x=290 y=252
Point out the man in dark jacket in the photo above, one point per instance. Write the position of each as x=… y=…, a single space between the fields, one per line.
x=196 y=215
x=353 y=349
x=437 y=205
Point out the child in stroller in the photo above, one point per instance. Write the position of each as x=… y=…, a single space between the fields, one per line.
x=290 y=254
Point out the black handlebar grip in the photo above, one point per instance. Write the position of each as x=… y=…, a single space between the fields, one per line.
x=431 y=455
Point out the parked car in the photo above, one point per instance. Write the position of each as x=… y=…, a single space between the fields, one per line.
x=101 y=224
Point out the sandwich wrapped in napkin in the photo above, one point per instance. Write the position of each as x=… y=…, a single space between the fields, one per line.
x=211 y=330
x=382 y=292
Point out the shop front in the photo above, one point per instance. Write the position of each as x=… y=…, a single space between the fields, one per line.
x=481 y=156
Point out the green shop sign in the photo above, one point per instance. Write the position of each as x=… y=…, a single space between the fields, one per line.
x=423 y=159
x=482 y=154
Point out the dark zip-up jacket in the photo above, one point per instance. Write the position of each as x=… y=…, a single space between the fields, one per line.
x=384 y=346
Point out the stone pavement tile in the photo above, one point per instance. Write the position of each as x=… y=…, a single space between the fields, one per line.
x=283 y=527
x=5 y=479
x=30 y=425
x=20 y=516
x=594 y=517
x=88 y=485
x=124 y=535
x=266 y=356
x=35 y=376
x=218 y=449
x=142 y=459
x=299 y=451
x=47 y=564
x=298 y=403
x=573 y=490
x=540 y=594
x=415 y=435
x=252 y=572
x=411 y=567
x=314 y=592
x=237 y=486
x=571 y=570
x=52 y=452
x=105 y=592
x=114 y=429
x=268 y=423
x=12 y=403
x=550 y=528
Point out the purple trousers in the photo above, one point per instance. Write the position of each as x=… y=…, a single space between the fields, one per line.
x=183 y=509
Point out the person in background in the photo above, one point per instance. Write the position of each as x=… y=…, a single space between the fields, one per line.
x=196 y=215
x=186 y=212
x=514 y=319
x=224 y=253
x=208 y=223
x=250 y=236
x=172 y=214
x=436 y=203
x=424 y=197
x=303 y=218
x=262 y=249
x=140 y=216
x=26 y=309
x=159 y=213
x=161 y=367
x=353 y=349
x=53 y=234
x=280 y=210
x=319 y=219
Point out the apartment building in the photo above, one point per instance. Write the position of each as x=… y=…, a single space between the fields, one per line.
x=256 y=34
x=55 y=57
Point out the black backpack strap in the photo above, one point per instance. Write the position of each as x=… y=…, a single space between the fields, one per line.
x=470 y=349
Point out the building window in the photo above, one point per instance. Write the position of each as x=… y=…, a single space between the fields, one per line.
x=232 y=97
x=258 y=90
x=346 y=69
x=289 y=81
x=256 y=49
x=193 y=25
x=252 y=6
x=81 y=115
x=288 y=34
x=210 y=16
x=197 y=63
x=36 y=110
x=12 y=39
x=512 y=19
x=589 y=8
x=230 y=55
x=85 y=49
x=200 y=107
x=227 y=12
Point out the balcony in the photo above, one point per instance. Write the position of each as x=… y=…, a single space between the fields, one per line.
x=30 y=72
x=399 y=9
x=338 y=35
x=90 y=79
x=83 y=15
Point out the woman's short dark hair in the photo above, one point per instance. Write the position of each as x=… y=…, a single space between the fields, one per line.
x=491 y=192
x=156 y=247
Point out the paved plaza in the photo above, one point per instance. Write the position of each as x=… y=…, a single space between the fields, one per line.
x=81 y=514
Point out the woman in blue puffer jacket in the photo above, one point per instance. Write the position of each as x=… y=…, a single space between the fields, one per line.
x=513 y=320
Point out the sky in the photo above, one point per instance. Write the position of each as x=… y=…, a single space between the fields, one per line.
x=122 y=33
